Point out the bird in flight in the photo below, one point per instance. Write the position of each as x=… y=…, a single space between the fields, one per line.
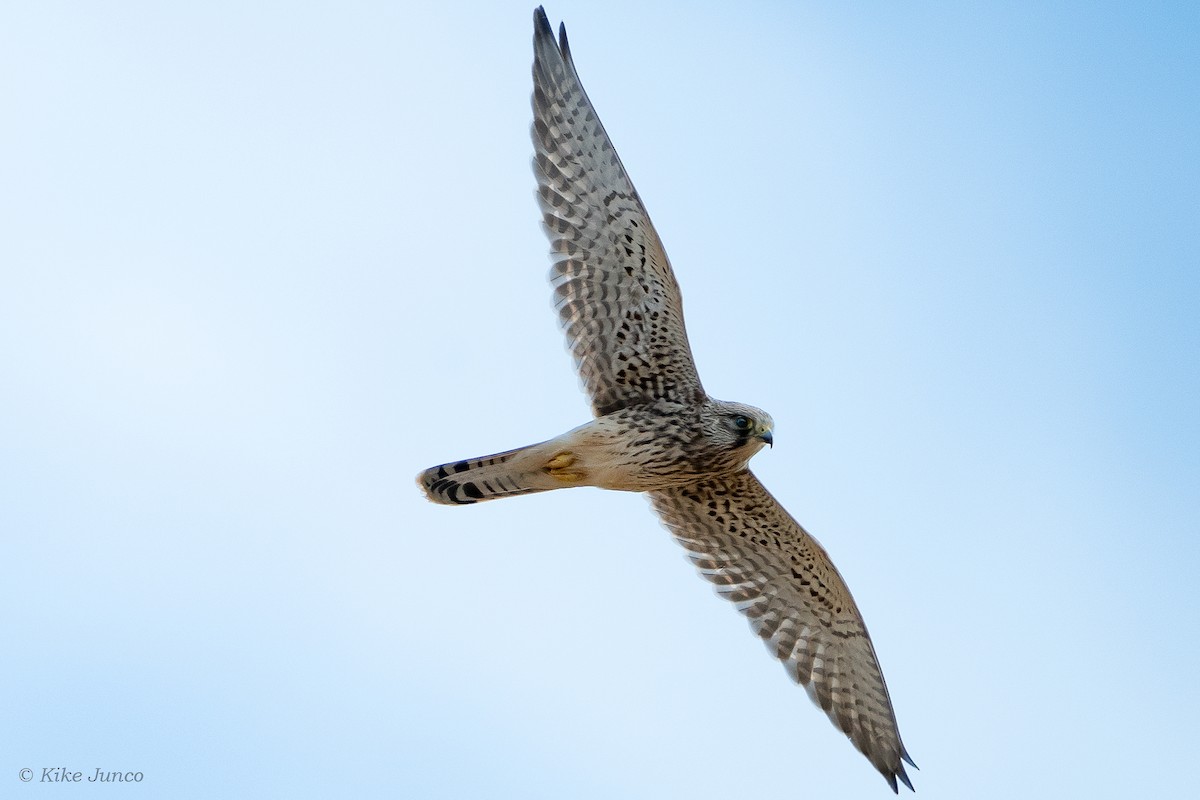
x=656 y=430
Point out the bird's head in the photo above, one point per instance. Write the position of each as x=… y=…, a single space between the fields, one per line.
x=739 y=427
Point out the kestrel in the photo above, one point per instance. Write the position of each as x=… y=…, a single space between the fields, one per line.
x=657 y=431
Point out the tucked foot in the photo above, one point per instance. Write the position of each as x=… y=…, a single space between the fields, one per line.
x=560 y=467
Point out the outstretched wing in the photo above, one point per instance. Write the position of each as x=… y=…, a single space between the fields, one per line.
x=616 y=296
x=742 y=540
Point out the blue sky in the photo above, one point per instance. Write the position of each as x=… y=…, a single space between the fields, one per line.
x=261 y=265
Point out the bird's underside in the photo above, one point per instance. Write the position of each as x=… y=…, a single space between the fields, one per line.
x=657 y=431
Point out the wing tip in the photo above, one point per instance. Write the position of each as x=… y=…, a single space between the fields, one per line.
x=898 y=775
x=563 y=44
x=541 y=23
x=543 y=31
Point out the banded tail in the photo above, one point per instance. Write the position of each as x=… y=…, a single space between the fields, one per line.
x=521 y=471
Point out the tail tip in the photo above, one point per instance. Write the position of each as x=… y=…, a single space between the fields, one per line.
x=440 y=486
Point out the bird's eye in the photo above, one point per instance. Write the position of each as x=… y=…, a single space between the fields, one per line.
x=742 y=423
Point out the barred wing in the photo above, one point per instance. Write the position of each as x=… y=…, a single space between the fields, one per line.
x=616 y=297
x=742 y=540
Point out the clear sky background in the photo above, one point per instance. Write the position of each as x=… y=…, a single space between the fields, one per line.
x=262 y=263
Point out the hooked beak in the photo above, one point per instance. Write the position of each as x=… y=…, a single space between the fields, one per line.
x=768 y=438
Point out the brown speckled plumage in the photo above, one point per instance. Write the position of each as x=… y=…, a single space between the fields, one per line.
x=656 y=430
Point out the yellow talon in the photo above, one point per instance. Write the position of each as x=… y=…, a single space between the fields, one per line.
x=560 y=462
x=557 y=467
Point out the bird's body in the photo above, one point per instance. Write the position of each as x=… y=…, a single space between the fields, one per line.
x=657 y=431
x=641 y=448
